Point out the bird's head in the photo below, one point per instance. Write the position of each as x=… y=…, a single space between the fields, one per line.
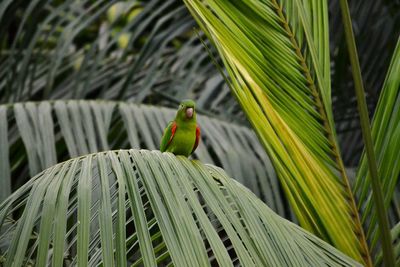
x=187 y=110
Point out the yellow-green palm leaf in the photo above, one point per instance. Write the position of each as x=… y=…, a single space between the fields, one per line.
x=276 y=55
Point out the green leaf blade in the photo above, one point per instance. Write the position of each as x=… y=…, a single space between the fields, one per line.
x=178 y=207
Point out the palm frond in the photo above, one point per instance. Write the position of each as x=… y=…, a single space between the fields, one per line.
x=278 y=65
x=395 y=233
x=4 y=155
x=162 y=210
x=376 y=26
x=41 y=134
x=386 y=136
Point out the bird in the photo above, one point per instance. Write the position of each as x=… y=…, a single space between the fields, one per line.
x=182 y=135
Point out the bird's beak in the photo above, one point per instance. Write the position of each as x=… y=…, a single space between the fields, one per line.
x=189 y=113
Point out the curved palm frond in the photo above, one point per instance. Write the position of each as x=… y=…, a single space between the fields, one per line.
x=35 y=136
x=153 y=209
x=386 y=137
x=278 y=65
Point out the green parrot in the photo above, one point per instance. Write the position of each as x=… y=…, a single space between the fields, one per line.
x=182 y=135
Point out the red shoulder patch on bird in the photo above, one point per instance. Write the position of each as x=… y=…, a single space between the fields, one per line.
x=173 y=130
x=196 y=143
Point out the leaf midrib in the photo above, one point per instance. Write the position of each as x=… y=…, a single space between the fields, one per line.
x=329 y=134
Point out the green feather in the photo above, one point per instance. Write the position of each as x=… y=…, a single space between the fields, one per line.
x=166 y=136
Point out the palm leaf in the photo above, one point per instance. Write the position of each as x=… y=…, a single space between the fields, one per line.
x=395 y=233
x=278 y=63
x=386 y=136
x=170 y=211
x=38 y=135
x=5 y=161
x=376 y=29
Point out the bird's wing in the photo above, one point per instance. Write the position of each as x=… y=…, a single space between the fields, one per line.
x=196 y=143
x=168 y=134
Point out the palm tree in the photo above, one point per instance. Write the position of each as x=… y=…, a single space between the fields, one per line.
x=137 y=207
